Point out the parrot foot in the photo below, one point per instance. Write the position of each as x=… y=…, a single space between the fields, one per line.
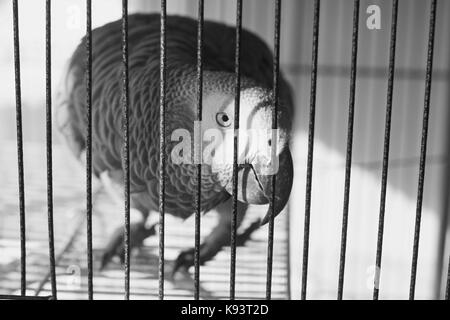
x=243 y=237
x=209 y=249
x=115 y=247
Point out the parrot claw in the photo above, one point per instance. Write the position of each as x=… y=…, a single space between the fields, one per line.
x=115 y=247
x=243 y=237
x=185 y=260
x=207 y=251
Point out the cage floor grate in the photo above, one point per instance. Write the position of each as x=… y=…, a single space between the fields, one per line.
x=70 y=242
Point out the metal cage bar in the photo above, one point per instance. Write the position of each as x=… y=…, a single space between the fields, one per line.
x=18 y=92
x=423 y=148
x=48 y=116
x=386 y=145
x=237 y=72
x=126 y=146
x=309 y=169
x=198 y=203
x=162 y=146
x=348 y=160
x=90 y=274
x=276 y=76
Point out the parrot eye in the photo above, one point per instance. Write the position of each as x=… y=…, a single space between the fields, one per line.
x=223 y=119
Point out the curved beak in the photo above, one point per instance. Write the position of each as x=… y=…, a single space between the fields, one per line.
x=255 y=188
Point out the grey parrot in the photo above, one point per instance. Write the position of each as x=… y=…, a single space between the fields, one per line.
x=256 y=108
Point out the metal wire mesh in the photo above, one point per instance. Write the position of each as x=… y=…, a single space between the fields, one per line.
x=23 y=272
x=423 y=148
x=312 y=114
x=348 y=160
x=126 y=145
x=237 y=72
x=48 y=114
x=162 y=147
x=89 y=147
x=198 y=199
x=386 y=145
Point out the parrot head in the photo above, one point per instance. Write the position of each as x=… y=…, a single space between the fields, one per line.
x=263 y=152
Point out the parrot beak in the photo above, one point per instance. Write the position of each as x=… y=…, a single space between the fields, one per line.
x=254 y=188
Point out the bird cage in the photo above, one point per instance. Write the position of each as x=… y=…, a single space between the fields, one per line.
x=368 y=211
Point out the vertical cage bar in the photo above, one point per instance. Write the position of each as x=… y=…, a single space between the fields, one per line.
x=276 y=73
x=23 y=280
x=348 y=160
x=386 y=145
x=447 y=289
x=423 y=148
x=309 y=169
x=126 y=146
x=162 y=145
x=199 y=165
x=89 y=146
x=237 y=72
x=48 y=115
